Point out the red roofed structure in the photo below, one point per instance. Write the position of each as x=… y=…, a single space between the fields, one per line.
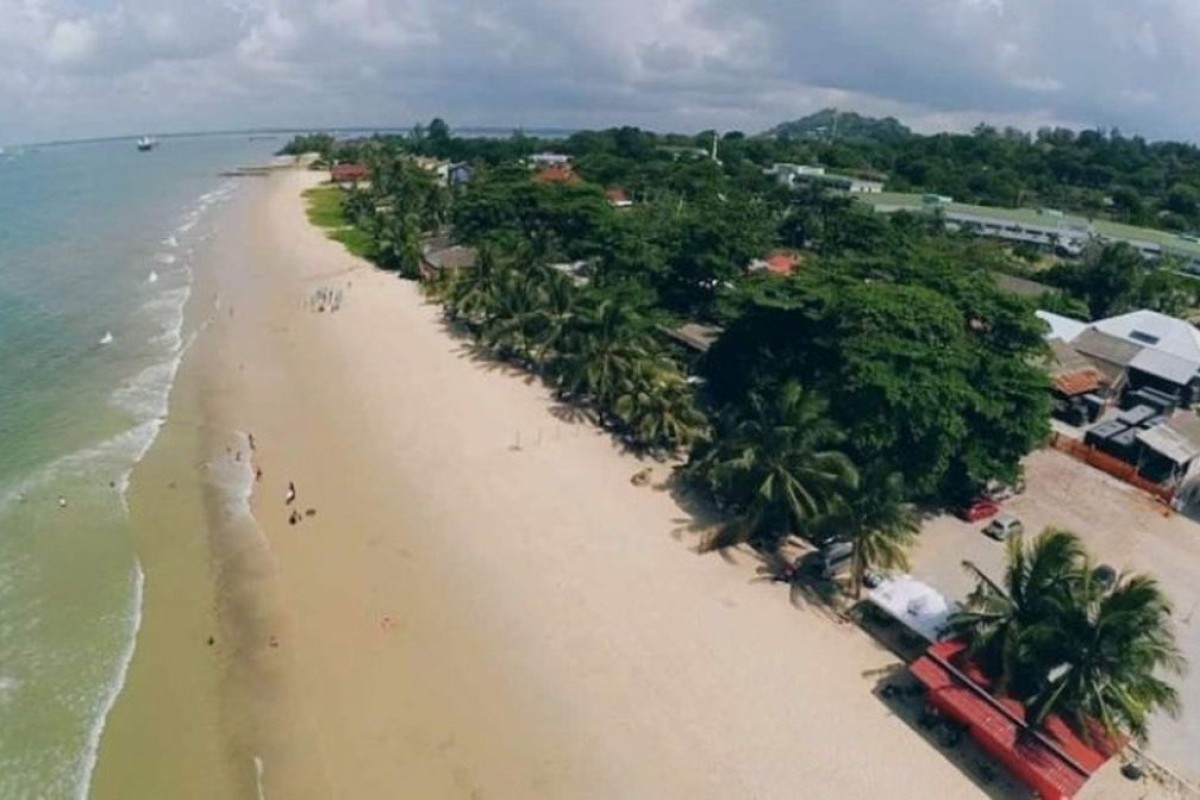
x=557 y=173
x=1052 y=760
x=777 y=262
x=617 y=197
x=348 y=173
x=1082 y=381
x=782 y=262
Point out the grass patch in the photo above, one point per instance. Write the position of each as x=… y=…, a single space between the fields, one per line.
x=325 y=210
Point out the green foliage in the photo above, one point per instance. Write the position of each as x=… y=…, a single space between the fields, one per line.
x=1064 y=642
x=829 y=124
x=320 y=143
x=1113 y=279
x=878 y=521
x=776 y=462
x=596 y=350
x=925 y=365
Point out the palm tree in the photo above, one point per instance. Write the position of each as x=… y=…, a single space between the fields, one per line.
x=1104 y=653
x=779 y=462
x=657 y=407
x=1066 y=643
x=472 y=293
x=880 y=524
x=603 y=346
x=999 y=621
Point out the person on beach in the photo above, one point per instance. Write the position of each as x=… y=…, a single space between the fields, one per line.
x=258 y=473
x=291 y=493
x=250 y=440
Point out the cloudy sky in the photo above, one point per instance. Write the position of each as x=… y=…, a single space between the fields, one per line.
x=75 y=68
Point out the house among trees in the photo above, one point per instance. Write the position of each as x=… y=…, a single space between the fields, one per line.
x=549 y=160
x=557 y=173
x=777 y=262
x=348 y=176
x=459 y=174
x=617 y=197
x=446 y=260
x=792 y=174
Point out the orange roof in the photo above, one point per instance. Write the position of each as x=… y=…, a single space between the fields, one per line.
x=782 y=262
x=557 y=173
x=1080 y=381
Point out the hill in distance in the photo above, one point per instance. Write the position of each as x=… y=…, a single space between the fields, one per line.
x=830 y=123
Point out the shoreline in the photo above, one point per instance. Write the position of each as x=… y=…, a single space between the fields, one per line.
x=481 y=604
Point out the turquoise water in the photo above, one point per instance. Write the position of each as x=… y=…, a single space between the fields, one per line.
x=95 y=270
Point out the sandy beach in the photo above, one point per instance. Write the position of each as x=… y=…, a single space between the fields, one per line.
x=481 y=605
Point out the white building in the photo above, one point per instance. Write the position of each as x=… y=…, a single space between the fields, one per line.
x=791 y=174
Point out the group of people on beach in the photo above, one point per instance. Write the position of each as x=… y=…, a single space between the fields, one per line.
x=326 y=297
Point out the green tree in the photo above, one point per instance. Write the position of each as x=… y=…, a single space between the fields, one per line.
x=606 y=343
x=777 y=462
x=997 y=618
x=1104 y=652
x=878 y=521
x=1064 y=641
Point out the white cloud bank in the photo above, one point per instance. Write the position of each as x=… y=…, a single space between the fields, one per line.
x=96 y=67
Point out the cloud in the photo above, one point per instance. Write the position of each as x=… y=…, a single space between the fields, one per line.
x=94 y=67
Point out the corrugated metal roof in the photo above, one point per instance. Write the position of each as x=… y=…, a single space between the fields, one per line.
x=1170 y=443
x=1079 y=382
x=455 y=257
x=1106 y=347
x=1152 y=329
x=1166 y=365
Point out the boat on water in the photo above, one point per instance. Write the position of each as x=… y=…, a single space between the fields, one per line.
x=147 y=143
x=107 y=338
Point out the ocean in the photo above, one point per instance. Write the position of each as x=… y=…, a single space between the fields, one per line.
x=96 y=242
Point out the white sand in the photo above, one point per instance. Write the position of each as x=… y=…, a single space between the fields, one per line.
x=463 y=618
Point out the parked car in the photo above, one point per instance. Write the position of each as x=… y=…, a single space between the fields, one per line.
x=979 y=508
x=1003 y=527
x=835 y=558
x=1000 y=492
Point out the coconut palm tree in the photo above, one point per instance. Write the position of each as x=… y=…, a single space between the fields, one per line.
x=1105 y=654
x=1064 y=642
x=999 y=621
x=778 y=459
x=879 y=523
x=472 y=295
x=603 y=346
x=657 y=407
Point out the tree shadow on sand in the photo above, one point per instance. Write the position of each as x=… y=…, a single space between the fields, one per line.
x=904 y=698
x=712 y=531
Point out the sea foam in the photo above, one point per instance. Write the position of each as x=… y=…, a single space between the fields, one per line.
x=87 y=762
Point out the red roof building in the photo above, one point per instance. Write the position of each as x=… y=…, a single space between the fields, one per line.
x=1052 y=760
x=777 y=262
x=557 y=173
x=1083 y=381
x=348 y=173
x=616 y=195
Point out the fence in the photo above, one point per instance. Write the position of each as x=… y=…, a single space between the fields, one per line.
x=1110 y=464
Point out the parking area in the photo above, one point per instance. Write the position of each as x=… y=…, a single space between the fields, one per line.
x=1122 y=527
